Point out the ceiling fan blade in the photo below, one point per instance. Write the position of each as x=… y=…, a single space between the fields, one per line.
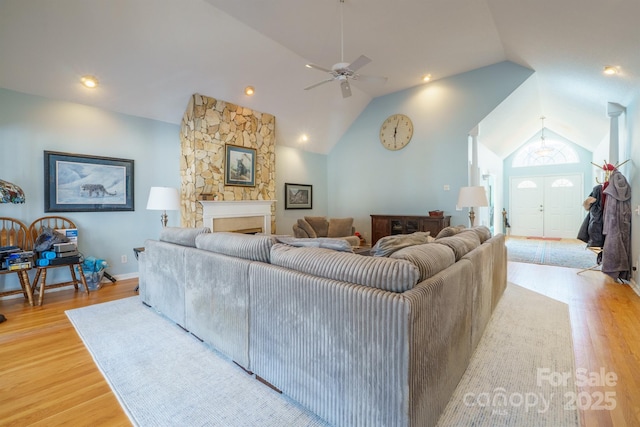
x=359 y=63
x=346 y=89
x=319 y=83
x=370 y=79
x=317 y=67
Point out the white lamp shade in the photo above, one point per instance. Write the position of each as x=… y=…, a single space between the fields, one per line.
x=163 y=199
x=472 y=196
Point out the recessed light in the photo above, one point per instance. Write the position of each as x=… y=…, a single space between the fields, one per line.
x=249 y=90
x=426 y=78
x=89 y=81
x=304 y=137
x=610 y=70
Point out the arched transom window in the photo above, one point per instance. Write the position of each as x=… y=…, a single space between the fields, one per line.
x=551 y=153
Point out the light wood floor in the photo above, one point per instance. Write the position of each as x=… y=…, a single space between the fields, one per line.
x=48 y=378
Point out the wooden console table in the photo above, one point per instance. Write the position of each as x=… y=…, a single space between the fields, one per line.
x=386 y=225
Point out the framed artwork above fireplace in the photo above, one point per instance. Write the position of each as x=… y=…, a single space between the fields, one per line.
x=240 y=166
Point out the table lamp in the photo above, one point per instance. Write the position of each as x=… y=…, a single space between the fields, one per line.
x=470 y=197
x=163 y=199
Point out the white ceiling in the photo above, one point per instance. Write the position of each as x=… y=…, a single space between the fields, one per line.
x=151 y=55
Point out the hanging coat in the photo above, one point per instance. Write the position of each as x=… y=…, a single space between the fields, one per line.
x=591 y=229
x=616 y=254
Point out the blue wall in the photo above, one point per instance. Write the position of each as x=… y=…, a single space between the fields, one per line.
x=365 y=178
x=29 y=125
x=296 y=166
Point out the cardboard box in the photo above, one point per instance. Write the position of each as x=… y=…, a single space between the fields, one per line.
x=69 y=233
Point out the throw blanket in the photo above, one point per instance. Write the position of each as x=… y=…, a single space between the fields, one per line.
x=616 y=255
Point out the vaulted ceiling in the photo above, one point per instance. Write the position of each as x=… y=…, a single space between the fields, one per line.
x=151 y=55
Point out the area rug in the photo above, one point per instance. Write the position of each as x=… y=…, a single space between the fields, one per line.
x=163 y=376
x=512 y=379
x=571 y=253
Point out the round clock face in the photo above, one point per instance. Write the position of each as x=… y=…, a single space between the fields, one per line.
x=396 y=132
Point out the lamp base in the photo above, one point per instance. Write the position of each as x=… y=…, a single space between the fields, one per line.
x=164 y=219
x=472 y=216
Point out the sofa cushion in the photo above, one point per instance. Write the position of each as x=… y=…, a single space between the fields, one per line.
x=182 y=235
x=461 y=243
x=429 y=258
x=340 y=227
x=389 y=244
x=482 y=231
x=247 y=246
x=306 y=227
x=319 y=224
x=319 y=242
x=394 y=275
x=450 y=231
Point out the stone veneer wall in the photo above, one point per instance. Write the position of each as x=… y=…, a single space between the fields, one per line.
x=207 y=125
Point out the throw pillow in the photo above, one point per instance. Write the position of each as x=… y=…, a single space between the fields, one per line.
x=389 y=244
x=450 y=231
x=306 y=227
x=319 y=242
x=340 y=227
x=430 y=259
x=461 y=244
x=482 y=231
x=319 y=224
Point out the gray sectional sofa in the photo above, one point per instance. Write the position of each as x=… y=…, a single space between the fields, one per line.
x=358 y=340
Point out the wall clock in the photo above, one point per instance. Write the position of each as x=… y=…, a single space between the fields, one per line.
x=396 y=132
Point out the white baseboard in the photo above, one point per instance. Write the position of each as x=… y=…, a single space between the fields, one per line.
x=635 y=287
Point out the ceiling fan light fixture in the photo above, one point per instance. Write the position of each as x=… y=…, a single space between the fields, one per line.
x=89 y=81
x=249 y=90
x=345 y=71
x=610 y=70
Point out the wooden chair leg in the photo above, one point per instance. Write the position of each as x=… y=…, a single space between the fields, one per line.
x=74 y=279
x=26 y=286
x=83 y=279
x=43 y=279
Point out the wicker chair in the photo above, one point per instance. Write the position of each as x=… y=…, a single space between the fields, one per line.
x=15 y=233
x=35 y=229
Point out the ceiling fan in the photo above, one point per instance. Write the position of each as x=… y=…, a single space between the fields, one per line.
x=343 y=71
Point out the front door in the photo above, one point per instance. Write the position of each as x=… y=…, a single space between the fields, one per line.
x=549 y=206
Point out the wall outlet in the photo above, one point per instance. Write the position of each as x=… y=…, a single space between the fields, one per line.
x=123 y=259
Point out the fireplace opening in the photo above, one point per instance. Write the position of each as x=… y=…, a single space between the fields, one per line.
x=249 y=230
x=246 y=225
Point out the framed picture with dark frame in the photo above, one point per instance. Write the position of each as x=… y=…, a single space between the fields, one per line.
x=240 y=166
x=298 y=196
x=84 y=183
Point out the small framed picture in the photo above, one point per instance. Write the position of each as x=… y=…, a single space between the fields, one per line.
x=240 y=166
x=298 y=196
x=83 y=183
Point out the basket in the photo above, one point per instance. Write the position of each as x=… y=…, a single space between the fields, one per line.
x=436 y=214
x=94 y=279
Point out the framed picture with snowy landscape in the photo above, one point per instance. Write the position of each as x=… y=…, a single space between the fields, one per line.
x=85 y=183
x=298 y=196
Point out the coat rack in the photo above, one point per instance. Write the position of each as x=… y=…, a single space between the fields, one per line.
x=608 y=168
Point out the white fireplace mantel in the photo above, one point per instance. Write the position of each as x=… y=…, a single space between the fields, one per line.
x=212 y=209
